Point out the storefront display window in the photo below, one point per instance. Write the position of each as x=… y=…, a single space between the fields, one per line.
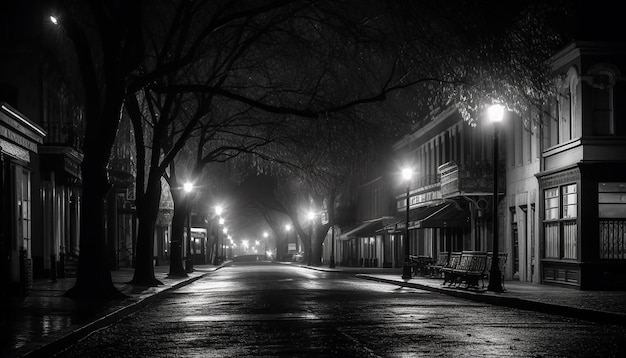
x=612 y=220
x=560 y=227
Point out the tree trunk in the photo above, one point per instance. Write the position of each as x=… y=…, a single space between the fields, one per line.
x=147 y=212
x=281 y=247
x=94 y=274
x=178 y=228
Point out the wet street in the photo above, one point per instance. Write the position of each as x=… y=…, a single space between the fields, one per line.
x=251 y=310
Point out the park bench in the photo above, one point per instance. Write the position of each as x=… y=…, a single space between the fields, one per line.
x=467 y=267
x=435 y=268
x=419 y=264
x=450 y=266
x=471 y=269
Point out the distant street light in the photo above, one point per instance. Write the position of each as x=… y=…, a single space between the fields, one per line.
x=495 y=113
x=54 y=20
x=310 y=216
x=188 y=188
x=407 y=173
x=287 y=230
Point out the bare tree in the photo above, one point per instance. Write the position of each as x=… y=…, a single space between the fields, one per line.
x=332 y=56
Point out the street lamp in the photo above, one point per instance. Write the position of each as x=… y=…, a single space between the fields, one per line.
x=287 y=230
x=495 y=113
x=310 y=216
x=332 y=247
x=188 y=188
x=407 y=173
x=220 y=253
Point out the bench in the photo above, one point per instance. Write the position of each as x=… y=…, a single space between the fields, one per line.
x=419 y=264
x=467 y=267
x=471 y=269
x=448 y=269
x=435 y=268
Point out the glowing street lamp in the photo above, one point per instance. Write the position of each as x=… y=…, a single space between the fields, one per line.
x=54 y=20
x=407 y=173
x=495 y=113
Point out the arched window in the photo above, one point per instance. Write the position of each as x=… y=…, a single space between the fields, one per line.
x=601 y=78
x=566 y=106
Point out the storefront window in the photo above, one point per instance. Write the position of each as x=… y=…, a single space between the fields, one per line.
x=560 y=227
x=570 y=203
x=612 y=215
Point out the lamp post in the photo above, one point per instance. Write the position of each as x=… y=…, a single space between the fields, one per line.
x=332 y=247
x=218 y=212
x=407 y=173
x=310 y=216
x=287 y=230
x=225 y=231
x=188 y=187
x=495 y=113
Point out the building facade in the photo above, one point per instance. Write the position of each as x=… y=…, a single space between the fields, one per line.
x=19 y=140
x=582 y=185
x=561 y=188
x=450 y=190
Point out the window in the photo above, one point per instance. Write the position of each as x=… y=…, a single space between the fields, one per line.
x=601 y=78
x=602 y=111
x=552 y=204
x=560 y=227
x=565 y=115
x=564 y=110
x=612 y=215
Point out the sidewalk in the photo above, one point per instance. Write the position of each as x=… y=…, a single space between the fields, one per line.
x=599 y=306
x=44 y=322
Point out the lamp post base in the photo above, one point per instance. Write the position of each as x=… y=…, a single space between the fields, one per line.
x=332 y=262
x=406 y=271
x=495 y=281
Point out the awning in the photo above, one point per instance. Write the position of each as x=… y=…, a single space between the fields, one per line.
x=398 y=223
x=365 y=229
x=448 y=215
x=442 y=215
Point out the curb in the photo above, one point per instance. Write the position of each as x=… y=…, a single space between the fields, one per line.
x=64 y=342
x=597 y=316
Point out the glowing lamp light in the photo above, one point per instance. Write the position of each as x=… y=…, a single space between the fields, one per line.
x=407 y=173
x=495 y=112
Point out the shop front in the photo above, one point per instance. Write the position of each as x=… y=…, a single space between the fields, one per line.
x=19 y=138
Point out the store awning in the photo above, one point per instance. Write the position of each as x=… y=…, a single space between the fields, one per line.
x=364 y=229
x=448 y=215
x=442 y=215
